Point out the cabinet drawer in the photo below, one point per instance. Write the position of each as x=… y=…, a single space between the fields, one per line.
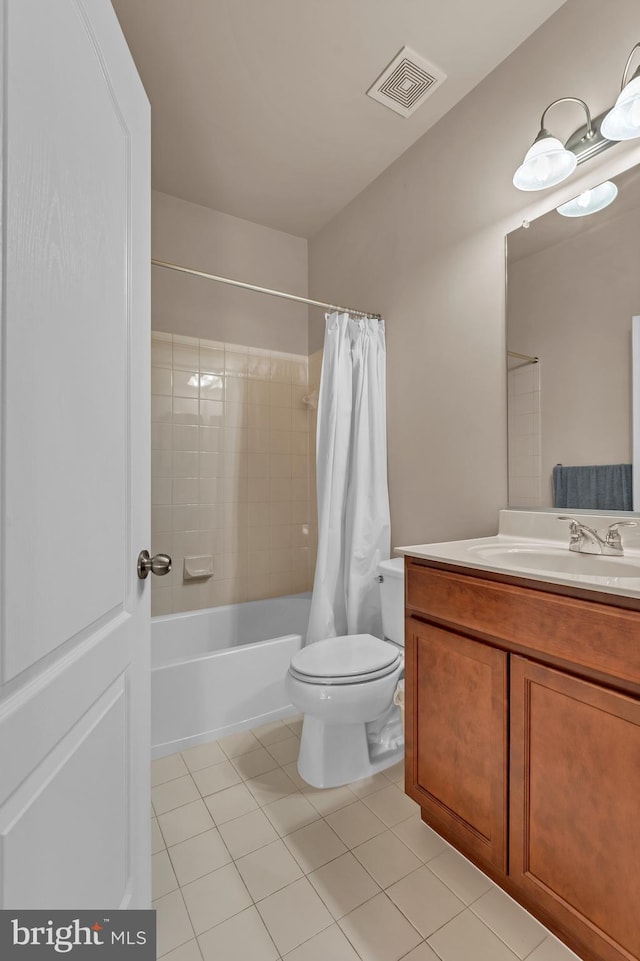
x=588 y=634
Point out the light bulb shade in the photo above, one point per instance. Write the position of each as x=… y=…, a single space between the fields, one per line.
x=623 y=120
x=546 y=163
x=590 y=202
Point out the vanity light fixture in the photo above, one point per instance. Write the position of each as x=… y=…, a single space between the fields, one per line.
x=623 y=120
x=548 y=162
x=590 y=201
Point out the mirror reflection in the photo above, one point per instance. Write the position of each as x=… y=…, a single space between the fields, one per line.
x=573 y=286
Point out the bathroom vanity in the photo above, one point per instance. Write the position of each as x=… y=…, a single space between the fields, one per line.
x=523 y=727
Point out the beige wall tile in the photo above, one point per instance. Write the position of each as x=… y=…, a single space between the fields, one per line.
x=259 y=586
x=281 y=536
x=160 y=490
x=186 y=517
x=162 y=350
x=185 y=410
x=280 y=465
x=280 y=583
x=280 y=394
x=227 y=472
x=280 y=417
x=235 y=487
x=259 y=366
x=185 y=356
x=280 y=513
x=211 y=464
x=259 y=514
x=259 y=539
x=210 y=438
x=299 y=465
x=161 y=410
x=212 y=386
x=281 y=369
x=281 y=442
x=186 y=463
x=161 y=601
x=258 y=417
x=186 y=437
x=259 y=563
x=259 y=489
x=235 y=439
x=161 y=380
x=211 y=360
x=236 y=464
x=161 y=518
x=186 y=383
x=185 y=490
x=212 y=413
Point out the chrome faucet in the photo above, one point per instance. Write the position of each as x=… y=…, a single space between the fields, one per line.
x=586 y=540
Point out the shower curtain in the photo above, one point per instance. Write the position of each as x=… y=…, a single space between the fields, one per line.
x=353 y=499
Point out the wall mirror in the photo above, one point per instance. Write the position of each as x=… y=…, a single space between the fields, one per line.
x=573 y=287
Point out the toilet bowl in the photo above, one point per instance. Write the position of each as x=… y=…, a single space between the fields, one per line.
x=344 y=687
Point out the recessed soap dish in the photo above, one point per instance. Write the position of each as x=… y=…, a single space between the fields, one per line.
x=198 y=567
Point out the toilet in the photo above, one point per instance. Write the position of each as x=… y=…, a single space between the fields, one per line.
x=344 y=686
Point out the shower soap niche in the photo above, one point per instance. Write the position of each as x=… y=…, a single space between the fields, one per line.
x=198 y=567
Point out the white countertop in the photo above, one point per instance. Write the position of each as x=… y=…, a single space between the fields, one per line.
x=531 y=544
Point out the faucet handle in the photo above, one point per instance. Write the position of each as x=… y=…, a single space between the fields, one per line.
x=574 y=525
x=575 y=531
x=613 y=533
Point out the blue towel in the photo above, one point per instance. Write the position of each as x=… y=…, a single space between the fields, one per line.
x=602 y=487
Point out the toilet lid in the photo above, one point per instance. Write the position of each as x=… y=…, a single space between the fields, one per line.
x=349 y=657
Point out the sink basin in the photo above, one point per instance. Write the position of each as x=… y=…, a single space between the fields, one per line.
x=528 y=545
x=556 y=560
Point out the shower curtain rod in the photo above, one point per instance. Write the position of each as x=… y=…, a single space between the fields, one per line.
x=527 y=357
x=263 y=290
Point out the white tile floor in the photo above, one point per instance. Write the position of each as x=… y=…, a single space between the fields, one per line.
x=252 y=864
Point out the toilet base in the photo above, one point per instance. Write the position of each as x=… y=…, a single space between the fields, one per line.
x=335 y=754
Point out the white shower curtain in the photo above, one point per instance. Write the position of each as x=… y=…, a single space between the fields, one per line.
x=353 y=499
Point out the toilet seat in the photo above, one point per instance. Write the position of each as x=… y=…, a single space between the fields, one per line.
x=349 y=659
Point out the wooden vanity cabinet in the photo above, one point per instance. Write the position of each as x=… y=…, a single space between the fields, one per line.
x=523 y=745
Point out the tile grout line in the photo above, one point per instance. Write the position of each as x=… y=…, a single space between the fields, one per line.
x=321 y=819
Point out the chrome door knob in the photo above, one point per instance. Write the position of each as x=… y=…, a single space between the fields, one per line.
x=159 y=564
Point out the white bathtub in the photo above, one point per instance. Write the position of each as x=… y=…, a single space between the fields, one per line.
x=222 y=670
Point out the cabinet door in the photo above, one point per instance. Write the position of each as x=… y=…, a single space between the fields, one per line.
x=575 y=806
x=457 y=739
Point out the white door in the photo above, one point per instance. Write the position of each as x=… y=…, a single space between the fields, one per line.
x=74 y=633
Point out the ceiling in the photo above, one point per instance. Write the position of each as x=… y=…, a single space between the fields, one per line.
x=259 y=107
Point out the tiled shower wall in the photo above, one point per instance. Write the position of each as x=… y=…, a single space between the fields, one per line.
x=524 y=437
x=233 y=470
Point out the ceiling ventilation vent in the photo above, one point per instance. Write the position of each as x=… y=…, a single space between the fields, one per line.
x=406 y=83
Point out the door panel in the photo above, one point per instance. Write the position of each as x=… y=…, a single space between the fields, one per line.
x=458 y=749
x=74 y=636
x=575 y=776
x=67 y=357
x=86 y=772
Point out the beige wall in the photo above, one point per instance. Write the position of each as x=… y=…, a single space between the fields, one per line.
x=424 y=245
x=217 y=243
x=571 y=305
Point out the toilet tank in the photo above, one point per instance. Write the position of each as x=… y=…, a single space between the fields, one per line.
x=391 y=579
